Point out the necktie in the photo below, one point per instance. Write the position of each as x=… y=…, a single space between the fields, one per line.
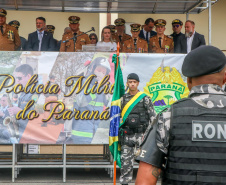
x=40 y=40
x=1 y=29
x=147 y=37
x=75 y=34
x=135 y=45
x=160 y=44
x=120 y=38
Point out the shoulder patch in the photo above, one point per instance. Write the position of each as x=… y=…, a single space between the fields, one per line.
x=169 y=36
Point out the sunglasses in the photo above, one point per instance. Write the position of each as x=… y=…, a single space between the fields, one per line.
x=176 y=26
x=92 y=38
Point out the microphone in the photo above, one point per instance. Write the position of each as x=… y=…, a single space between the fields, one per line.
x=93 y=29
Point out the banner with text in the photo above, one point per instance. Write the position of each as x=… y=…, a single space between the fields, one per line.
x=56 y=98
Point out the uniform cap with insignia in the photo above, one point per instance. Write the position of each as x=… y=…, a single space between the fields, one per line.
x=74 y=19
x=135 y=27
x=3 y=12
x=50 y=28
x=112 y=28
x=160 y=22
x=14 y=23
x=203 y=60
x=133 y=76
x=177 y=21
x=120 y=22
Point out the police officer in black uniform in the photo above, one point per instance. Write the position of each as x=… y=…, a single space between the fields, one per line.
x=135 y=125
x=188 y=141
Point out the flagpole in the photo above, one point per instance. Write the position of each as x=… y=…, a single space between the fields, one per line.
x=118 y=47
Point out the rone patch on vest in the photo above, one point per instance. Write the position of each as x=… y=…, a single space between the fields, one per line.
x=212 y=131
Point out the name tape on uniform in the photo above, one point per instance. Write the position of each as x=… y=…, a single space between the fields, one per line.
x=212 y=131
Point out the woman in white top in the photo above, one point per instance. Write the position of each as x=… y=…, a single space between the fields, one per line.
x=106 y=39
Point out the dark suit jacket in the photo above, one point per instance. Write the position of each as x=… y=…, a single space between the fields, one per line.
x=198 y=40
x=47 y=42
x=141 y=35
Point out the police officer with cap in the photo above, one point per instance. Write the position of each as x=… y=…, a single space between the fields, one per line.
x=177 y=25
x=9 y=37
x=120 y=36
x=16 y=24
x=187 y=141
x=69 y=46
x=137 y=113
x=51 y=29
x=161 y=43
x=135 y=44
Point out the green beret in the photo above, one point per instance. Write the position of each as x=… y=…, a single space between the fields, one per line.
x=203 y=60
x=133 y=76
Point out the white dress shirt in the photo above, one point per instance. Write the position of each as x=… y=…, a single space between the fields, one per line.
x=189 y=42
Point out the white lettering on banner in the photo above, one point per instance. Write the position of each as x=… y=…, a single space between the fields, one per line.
x=214 y=131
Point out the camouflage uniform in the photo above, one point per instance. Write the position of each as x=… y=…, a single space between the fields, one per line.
x=131 y=142
x=208 y=96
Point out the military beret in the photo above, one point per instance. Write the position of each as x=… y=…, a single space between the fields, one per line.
x=177 y=21
x=120 y=22
x=160 y=22
x=135 y=27
x=14 y=23
x=112 y=28
x=3 y=12
x=203 y=60
x=50 y=28
x=133 y=76
x=74 y=19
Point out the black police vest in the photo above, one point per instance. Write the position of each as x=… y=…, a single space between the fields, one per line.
x=197 y=145
x=138 y=116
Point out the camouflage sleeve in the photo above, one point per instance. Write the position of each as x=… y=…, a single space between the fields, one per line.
x=150 y=108
x=156 y=140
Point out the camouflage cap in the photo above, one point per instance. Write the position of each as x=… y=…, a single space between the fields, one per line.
x=74 y=19
x=160 y=22
x=14 y=23
x=3 y=12
x=203 y=60
x=120 y=22
x=133 y=76
x=177 y=21
x=135 y=27
x=112 y=28
x=50 y=28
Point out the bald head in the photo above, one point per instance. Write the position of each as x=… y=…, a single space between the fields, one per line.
x=216 y=78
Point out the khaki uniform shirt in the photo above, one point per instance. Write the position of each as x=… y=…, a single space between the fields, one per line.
x=129 y=47
x=116 y=39
x=166 y=47
x=69 y=46
x=9 y=40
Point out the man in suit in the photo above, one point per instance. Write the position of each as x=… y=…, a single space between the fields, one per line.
x=146 y=33
x=190 y=40
x=51 y=29
x=40 y=40
x=176 y=26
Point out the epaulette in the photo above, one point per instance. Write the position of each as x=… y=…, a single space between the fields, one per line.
x=153 y=36
x=127 y=35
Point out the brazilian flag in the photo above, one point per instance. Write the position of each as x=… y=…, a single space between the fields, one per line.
x=115 y=112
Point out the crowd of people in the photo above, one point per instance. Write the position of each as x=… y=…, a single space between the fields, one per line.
x=142 y=40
